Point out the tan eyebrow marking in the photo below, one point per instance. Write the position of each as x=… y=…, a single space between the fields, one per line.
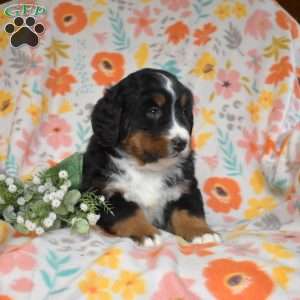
x=160 y=100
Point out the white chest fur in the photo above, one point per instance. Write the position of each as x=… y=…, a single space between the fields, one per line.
x=145 y=186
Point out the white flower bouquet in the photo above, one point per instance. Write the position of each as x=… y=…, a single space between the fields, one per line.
x=51 y=200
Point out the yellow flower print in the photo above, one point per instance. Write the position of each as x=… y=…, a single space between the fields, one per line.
x=7 y=104
x=222 y=11
x=266 y=99
x=239 y=10
x=141 y=56
x=3 y=40
x=4 y=19
x=201 y=140
x=35 y=112
x=5 y=231
x=3 y=148
x=129 y=285
x=257 y=181
x=208 y=116
x=205 y=67
x=65 y=107
x=94 y=16
x=278 y=251
x=283 y=89
x=257 y=207
x=276 y=46
x=94 y=285
x=254 y=111
x=110 y=258
x=44 y=104
x=102 y=2
x=281 y=275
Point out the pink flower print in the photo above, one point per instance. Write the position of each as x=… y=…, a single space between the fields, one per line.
x=27 y=144
x=258 y=24
x=284 y=237
x=35 y=65
x=153 y=255
x=174 y=287
x=142 y=21
x=175 y=5
x=277 y=111
x=249 y=143
x=228 y=83
x=255 y=60
x=242 y=250
x=101 y=37
x=57 y=132
x=18 y=257
x=22 y=285
x=212 y=161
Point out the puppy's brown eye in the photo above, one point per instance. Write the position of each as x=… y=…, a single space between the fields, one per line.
x=154 y=112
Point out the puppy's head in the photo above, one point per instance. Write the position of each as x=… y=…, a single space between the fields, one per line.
x=148 y=115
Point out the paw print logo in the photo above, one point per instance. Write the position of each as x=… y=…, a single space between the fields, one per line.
x=24 y=33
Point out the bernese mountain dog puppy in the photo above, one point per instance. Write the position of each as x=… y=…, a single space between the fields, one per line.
x=140 y=158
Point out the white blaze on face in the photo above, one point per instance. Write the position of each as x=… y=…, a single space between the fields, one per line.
x=176 y=130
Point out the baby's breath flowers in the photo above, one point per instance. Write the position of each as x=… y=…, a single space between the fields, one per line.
x=50 y=201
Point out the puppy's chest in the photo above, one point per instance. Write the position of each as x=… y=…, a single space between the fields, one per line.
x=148 y=189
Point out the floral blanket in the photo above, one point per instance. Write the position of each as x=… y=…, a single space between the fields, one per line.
x=241 y=59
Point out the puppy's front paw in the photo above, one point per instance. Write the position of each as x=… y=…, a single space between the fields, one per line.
x=152 y=241
x=137 y=228
x=211 y=237
x=193 y=229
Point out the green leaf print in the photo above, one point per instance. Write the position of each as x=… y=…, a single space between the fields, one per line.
x=120 y=39
x=231 y=163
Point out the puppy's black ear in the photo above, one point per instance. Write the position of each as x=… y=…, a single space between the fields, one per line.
x=106 y=117
x=190 y=108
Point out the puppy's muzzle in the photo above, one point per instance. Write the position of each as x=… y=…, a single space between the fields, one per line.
x=178 y=144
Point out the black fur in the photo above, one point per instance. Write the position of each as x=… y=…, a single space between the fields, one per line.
x=120 y=112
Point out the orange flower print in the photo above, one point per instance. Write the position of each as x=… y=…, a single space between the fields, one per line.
x=109 y=67
x=223 y=194
x=70 y=18
x=177 y=32
x=60 y=81
x=237 y=280
x=285 y=22
x=203 y=35
x=4 y=297
x=142 y=22
x=279 y=71
x=198 y=249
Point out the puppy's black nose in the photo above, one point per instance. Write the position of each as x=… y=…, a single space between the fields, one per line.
x=178 y=144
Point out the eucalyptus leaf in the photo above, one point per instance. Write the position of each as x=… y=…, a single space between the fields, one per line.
x=57 y=224
x=9 y=215
x=73 y=165
x=81 y=226
x=61 y=210
x=28 y=196
x=21 y=228
x=72 y=197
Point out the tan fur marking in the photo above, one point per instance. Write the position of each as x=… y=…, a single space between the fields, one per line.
x=160 y=100
x=136 y=227
x=188 y=226
x=141 y=144
x=183 y=100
